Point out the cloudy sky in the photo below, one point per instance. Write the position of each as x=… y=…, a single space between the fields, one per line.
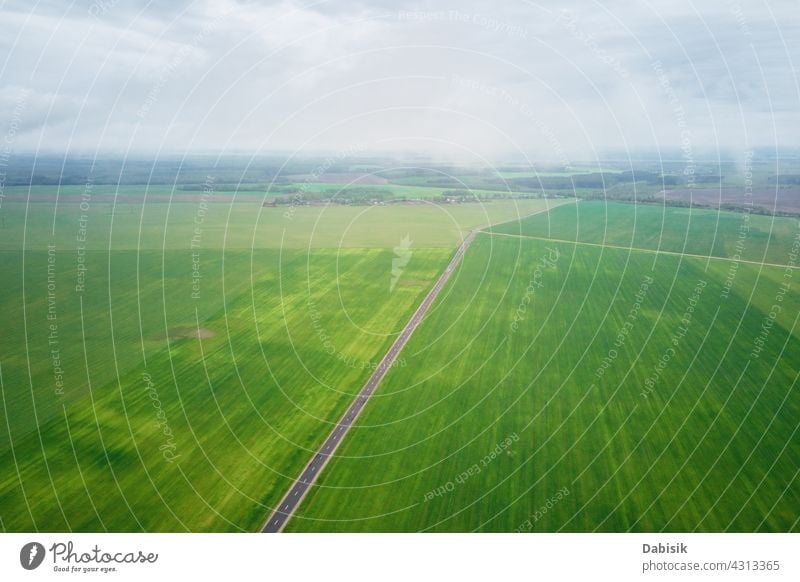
x=462 y=78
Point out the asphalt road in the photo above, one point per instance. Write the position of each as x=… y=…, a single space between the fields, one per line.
x=306 y=480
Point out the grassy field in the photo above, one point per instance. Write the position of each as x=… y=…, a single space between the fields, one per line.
x=681 y=230
x=191 y=402
x=398 y=190
x=252 y=192
x=277 y=359
x=242 y=225
x=240 y=331
x=138 y=396
x=529 y=404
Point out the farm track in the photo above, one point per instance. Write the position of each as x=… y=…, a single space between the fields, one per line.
x=641 y=250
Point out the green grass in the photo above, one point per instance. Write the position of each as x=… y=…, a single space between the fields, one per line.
x=396 y=190
x=681 y=230
x=244 y=407
x=249 y=191
x=712 y=447
x=296 y=306
x=245 y=225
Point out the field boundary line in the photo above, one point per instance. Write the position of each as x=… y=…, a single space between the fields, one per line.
x=640 y=250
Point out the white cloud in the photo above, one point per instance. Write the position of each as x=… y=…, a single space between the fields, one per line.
x=330 y=75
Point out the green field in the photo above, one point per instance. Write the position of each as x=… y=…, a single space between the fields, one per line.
x=278 y=360
x=192 y=404
x=508 y=418
x=398 y=190
x=249 y=363
x=680 y=230
x=257 y=192
x=242 y=225
x=288 y=335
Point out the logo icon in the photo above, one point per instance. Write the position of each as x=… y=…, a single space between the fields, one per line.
x=402 y=255
x=31 y=555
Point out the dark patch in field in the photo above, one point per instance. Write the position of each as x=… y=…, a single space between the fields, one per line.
x=177 y=333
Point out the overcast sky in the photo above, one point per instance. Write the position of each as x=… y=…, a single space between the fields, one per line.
x=554 y=80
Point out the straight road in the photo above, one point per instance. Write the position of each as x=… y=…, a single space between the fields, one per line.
x=297 y=492
x=277 y=520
